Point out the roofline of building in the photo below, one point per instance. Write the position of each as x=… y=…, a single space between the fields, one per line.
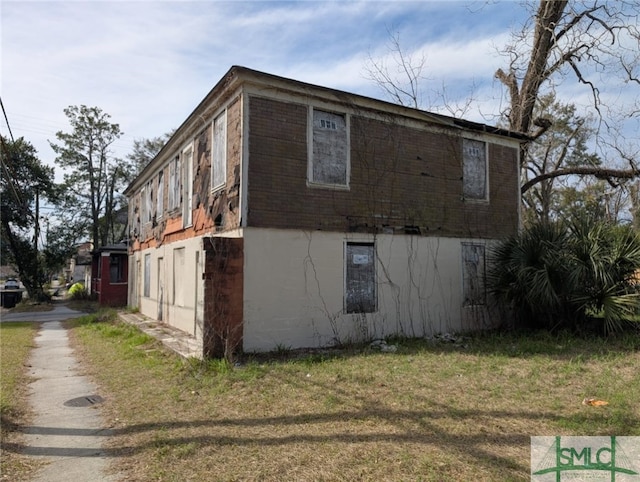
x=236 y=75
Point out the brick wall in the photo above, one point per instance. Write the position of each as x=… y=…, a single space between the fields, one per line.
x=223 y=295
x=402 y=179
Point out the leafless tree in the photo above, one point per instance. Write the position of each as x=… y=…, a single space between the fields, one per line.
x=591 y=41
x=400 y=76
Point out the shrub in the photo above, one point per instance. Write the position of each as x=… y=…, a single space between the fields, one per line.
x=557 y=275
x=78 y=292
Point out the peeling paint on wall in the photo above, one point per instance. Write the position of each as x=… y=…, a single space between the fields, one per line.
x=213 y=211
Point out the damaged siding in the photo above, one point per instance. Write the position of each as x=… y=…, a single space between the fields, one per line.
x=192 y=206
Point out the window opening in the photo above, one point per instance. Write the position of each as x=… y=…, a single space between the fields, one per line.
x=178 y=277
x=147 y=275
x=174 y=183
x=360 y=278
x=160 y=195
x=116 y=268
x=187 y=204
x=474 y=175
x=329 y=156
x=219 y=161
x=473 y=274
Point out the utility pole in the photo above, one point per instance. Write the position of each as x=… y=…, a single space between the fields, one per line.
x=37 y=234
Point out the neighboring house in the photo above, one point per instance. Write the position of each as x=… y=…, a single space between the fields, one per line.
x=78 y=268
x=284 y=214
x=109 y=274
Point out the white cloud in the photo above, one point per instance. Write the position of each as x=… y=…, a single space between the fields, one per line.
x=149 y=64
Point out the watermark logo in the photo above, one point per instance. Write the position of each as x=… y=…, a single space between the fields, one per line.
x=615 y=459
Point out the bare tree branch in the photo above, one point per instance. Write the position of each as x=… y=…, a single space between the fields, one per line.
x=598 y=172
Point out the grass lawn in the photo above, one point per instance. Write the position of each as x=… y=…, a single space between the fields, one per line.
x=430 y=411
x=16 y=342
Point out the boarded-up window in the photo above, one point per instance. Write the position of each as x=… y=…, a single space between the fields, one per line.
x=160 y=196
x=147 y=275
x=329 y=159
x=179 y=277
x=147 y=203
x=219 y=161
x=187 y=195
x=474 y=175
x=360 y=278
x=174 y=183
x=473 y=274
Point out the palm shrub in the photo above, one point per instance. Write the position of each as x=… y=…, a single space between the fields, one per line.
x=556 y=274
x=526 y=273
x=605 y=260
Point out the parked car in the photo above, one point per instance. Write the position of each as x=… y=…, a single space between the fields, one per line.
x=11 y=284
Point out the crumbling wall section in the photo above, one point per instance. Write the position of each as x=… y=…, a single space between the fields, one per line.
x=223 y=295
x=214 y=211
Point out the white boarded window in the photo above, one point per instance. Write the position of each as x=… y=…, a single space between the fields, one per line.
x=360 y=278
x=160 y=196
x=187 y=195
x=147 y=275
x=473 y=274
x=219 y=161
x=147 y=203
x=329 y=152
x=179 y=277
x=474 y=169
x=174 y=183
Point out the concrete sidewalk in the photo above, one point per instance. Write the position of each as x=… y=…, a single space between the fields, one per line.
x=68 y=430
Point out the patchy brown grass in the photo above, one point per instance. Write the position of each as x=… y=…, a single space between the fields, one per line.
x=16 y=342
x=430 y=411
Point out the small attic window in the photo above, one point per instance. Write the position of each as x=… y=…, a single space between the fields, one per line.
x=328 y=124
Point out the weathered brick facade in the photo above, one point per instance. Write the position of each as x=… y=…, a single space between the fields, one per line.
x=403 y=179
x=275 y=213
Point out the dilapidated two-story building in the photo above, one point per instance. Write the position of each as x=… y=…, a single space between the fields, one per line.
x=285 y=214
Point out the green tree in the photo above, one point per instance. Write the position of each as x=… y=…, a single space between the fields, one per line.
x=144 y=150
x=25 y=183
x=62 y=236
x=93 y=176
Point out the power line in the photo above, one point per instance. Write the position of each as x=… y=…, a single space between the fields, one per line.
x=6 y=119
x=10 y=177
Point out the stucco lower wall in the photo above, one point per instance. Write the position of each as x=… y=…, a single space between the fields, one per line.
x=294 y=284
x=175 y=284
